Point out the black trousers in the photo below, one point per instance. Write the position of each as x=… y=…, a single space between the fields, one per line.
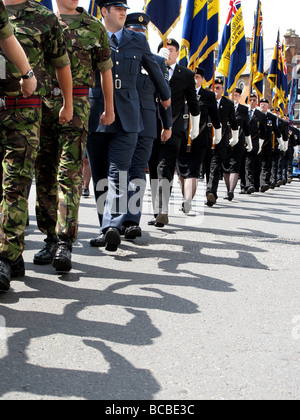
x=216 y=167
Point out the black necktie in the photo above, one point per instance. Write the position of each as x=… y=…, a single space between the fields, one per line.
x=114 y=40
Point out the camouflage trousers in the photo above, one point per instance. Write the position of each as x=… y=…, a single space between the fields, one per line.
x=58 y=169
x=19 y=142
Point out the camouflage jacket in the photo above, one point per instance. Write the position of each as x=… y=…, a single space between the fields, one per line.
x=38 y=31
x=88 y=48
x=5 y=27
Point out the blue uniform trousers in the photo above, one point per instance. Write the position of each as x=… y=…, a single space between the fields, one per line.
x=110 y=156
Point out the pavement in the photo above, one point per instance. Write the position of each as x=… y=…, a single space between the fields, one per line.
x=206 y=308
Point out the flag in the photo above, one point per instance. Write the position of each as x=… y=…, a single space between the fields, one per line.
x=194 y=33
x=164 y=14
x=94 y=10
x=232 y=58
x=293 y=93
x=208 y=57
x=46 y=3
x=276 y=77
x=257 y=53
x=285 y=84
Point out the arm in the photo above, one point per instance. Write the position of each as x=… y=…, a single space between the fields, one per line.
x=15 y=53
x=64 y=78
x=108 y=116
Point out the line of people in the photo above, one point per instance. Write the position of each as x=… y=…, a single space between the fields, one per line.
x=100 y=88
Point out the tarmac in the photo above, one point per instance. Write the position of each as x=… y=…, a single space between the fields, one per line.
x=206 y=308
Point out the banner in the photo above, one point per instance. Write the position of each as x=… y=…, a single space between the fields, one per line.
x=194 y=33
x=164 y=14
x=232 y=58
x=257 y=53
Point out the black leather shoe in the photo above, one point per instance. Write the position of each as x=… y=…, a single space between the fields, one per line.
x=112 y=239
x=18 y=268
x=230 y=195
x=272 y=185
x=250 y=190
x=46 y=254
x=98 y=242
x=62 y=260
x=85 y=192
x=264 y=188
x=133 y=232
x=211 y=199
x=5 y=275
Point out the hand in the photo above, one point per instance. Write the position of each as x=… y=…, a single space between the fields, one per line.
x=218 y=136
x=164 y=53
x=107 y=118
x=249 y=147
x=233 y=142
x=65 y=115
x=28 y=86
x=261 y=142
x=166 y=104
x=166 y=135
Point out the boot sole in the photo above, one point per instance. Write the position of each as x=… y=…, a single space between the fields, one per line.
x=62 y=264
x=4 y=285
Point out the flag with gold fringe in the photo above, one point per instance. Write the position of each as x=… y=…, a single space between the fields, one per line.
x=164 y=14
x=257 y=53
x=276 y=77
x=46 y=3
x=208 y=58
x=232 y=58
x=94 y=10
x=194 y=34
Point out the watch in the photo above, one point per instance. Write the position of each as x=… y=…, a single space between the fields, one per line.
x=28 y=75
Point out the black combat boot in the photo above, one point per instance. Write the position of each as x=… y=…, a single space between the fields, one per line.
x=62 y=259
x=46 y=254
x=18 y=268
x=5 y=273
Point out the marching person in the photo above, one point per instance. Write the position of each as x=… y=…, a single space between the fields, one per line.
x=228 y=121
x=273 y=138
x=232 y=165
x=280 y=149
x=189 y=163
x=20 y=122
x=149 y=101
x=163 y=160
x=14 y=52
x=257 y=126
x=59 y=162
x=111 y=148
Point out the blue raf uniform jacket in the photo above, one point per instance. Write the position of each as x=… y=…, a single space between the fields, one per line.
x=150 y=101
x=132 y=53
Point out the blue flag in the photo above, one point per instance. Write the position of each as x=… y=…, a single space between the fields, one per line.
x=94 y=10
x=46 y=3
x=232 y=58
x=257 y=53
x=164 y=14
x=276 y=77
x=208 y=58
x=194 y=35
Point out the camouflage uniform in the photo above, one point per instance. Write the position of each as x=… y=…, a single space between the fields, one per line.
x=6 y=29
x=59 y=164
x=38 y=31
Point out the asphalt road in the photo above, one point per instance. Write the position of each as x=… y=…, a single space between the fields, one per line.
x=206 y=308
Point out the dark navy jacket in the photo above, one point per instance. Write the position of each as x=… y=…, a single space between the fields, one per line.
x=132 y=53
x=150 y=101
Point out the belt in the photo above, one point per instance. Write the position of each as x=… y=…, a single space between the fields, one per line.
x=13 y=102
x=77 y=91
